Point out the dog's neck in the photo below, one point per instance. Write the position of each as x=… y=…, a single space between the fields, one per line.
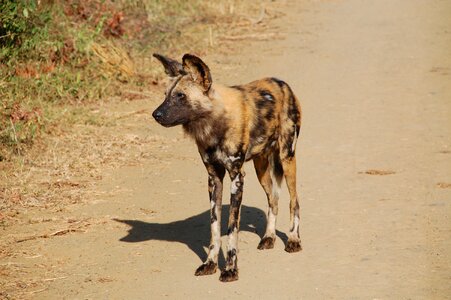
x=205 y=132
x=209 y=130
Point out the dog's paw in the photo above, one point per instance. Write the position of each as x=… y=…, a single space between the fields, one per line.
x=293 y=246
x=207 y=268
x=229 y=275
x=266 y=242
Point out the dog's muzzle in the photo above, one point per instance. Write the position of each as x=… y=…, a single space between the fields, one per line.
x=157 y=115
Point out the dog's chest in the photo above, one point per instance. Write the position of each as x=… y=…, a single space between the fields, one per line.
x=226 y=159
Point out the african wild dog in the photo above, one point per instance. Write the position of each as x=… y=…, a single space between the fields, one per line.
x=230 y=125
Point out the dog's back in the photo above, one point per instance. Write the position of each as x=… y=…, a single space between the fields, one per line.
x=271 y=114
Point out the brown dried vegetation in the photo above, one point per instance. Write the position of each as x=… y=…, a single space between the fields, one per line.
x=59 y=133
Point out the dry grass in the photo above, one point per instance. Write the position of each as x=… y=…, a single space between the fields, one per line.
x=83 y=138
x=24 y=270
x=67 y=158
x=91 y=49
x=115 y=60
x=62 y=171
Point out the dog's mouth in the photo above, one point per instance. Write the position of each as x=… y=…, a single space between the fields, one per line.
x=164 y=121
x=168 y=124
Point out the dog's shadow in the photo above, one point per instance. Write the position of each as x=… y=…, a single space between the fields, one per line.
x=195 y=231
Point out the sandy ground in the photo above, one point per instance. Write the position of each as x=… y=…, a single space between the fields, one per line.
x=374 y=79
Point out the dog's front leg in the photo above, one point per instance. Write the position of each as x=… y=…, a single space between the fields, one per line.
x=216 y=174
x=236 y=190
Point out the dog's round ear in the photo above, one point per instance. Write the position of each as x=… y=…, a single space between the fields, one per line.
x=198 y=70
x=171 y=67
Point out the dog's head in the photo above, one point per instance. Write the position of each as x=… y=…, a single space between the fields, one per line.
x=186 y=97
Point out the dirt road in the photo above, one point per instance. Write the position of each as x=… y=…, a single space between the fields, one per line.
x=374 y=79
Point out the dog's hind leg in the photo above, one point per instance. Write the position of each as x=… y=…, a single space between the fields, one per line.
x=294 y=240
x=287 y=144
x=269 y=173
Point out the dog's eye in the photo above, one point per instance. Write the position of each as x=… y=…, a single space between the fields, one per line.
x=180 y=95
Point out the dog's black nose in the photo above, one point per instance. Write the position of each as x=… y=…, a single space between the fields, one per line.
x=157 y=115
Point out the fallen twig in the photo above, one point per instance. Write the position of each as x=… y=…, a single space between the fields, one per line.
x=378 y=172
x=37 y=291
x=54 y=278
x=47 y=235
x=260 y=37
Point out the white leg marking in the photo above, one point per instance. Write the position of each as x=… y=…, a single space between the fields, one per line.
x=234 y=158
x=232 y=242
x=233 y=185
x=293 y=146
x=294 y=235
x=271 y=226
x=272 y=213
x=216 y=241
x=232 y=246
x=275 y=189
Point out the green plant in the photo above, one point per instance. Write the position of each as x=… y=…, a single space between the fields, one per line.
x=23 y=26
x=57 y=56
